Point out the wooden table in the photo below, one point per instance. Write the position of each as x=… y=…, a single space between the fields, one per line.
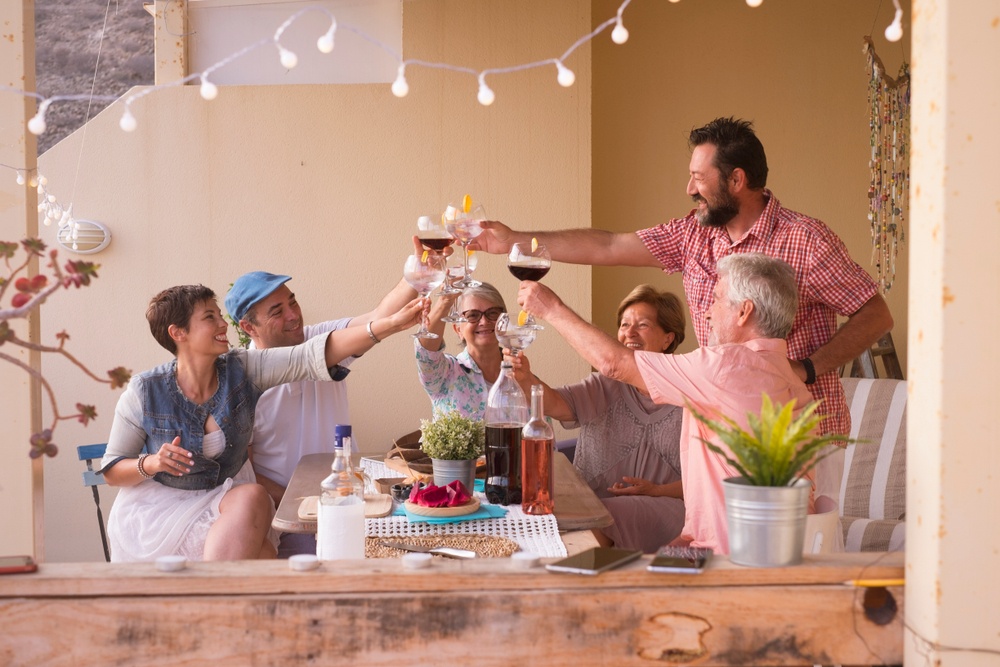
x=375 y=613
x=577 y=507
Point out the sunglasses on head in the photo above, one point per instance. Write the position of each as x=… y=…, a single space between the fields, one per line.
x=475 y=315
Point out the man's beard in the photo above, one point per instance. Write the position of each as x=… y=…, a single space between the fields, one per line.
x=718 y=215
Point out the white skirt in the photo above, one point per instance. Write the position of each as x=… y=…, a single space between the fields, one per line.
x=150 y=519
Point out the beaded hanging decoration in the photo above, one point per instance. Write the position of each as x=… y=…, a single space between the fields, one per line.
x=889 y=188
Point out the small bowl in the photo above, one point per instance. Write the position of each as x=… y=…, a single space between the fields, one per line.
x=401 y=492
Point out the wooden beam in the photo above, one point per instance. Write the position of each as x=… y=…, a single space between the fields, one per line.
x=170 y=41
x=377 y=613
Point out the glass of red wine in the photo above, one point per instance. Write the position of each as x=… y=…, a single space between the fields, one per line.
x=529 y=261
x=432 y=234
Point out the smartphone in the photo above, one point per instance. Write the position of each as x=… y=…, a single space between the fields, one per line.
x=16 y=564
x=594 y=560
x=685 y=560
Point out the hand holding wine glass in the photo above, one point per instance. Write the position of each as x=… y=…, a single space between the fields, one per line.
x=528 y=262
x=424 y=273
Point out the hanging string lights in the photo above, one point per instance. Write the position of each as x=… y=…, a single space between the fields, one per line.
x=400 y=88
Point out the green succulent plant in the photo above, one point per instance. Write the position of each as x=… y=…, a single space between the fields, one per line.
x=778 y=449
x=452 y=437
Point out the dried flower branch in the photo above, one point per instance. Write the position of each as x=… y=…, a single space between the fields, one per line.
x=30 y=293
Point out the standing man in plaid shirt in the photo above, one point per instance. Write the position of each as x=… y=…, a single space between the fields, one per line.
x=736 y=213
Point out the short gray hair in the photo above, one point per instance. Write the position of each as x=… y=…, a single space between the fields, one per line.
x=484 y=291
x=769 y=284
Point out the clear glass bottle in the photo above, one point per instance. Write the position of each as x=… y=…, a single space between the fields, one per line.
x=506 y=415
x=538 y=442
x=340 y=520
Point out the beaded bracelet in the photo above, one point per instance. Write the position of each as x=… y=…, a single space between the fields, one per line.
x=138 y=466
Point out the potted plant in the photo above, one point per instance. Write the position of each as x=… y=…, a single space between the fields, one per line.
x=453 y=443
x=766 y=504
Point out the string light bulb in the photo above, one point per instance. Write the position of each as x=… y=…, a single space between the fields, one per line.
x=20 y=177
x=209 y=91
x=399 y=87
x=288 y=58
x=620 y=34
x=127 y=122
x=565 y=76
x=32 y=181
x=37 y=124
x=485 y=96
x=894 y=32
x=754 y=3
x=325 y=43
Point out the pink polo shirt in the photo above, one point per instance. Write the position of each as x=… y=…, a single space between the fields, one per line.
x=719 y=380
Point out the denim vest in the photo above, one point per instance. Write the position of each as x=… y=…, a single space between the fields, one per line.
x=167 y=413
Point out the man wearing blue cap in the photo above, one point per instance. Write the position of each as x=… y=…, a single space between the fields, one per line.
x=298 y=418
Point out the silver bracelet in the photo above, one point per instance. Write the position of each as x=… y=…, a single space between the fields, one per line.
x=138 y=466
x=371 y=334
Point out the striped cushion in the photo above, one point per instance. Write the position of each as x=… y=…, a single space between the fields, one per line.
x=873 y=489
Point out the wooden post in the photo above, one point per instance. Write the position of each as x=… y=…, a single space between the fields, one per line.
x=170 y=41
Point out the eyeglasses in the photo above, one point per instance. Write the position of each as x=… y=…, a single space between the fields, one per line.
x=493 y=314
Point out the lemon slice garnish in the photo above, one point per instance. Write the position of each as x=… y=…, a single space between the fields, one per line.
x=534 y=244
x=423 y=258
x=467 y=203
x=522 y=318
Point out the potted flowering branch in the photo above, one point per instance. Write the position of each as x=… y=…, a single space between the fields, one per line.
x=766 y=504
x=28 y=294
x=453 y=443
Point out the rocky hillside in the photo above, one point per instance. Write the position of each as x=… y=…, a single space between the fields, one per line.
x=102 y=47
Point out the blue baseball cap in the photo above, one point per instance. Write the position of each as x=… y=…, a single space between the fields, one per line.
x=249 y=289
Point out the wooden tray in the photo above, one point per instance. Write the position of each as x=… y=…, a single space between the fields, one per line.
x=467 y=508
x=376 y=505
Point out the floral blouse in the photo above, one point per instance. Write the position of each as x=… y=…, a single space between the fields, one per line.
x=452 y=383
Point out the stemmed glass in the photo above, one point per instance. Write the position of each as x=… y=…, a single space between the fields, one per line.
x=424 y=273
x=514 y=336
x=454 y=273
x=432 y=234
x=529 y=261
x=464 y=226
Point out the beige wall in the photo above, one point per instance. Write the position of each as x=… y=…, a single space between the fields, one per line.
x=324 y=183
x=795 y=68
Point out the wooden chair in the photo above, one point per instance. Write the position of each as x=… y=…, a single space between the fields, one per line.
x=864 y=365
x=89 y=453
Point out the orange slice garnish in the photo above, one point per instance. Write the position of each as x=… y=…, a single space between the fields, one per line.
x=522 y=318
x=534 y=244
x=423 y=258
x=467 y=203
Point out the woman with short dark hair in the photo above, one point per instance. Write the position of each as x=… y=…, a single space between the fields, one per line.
x=179 y=439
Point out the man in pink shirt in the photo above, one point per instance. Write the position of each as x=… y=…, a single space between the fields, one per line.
x=754 y=305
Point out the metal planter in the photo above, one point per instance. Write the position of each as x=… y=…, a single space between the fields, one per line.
x=766 y=523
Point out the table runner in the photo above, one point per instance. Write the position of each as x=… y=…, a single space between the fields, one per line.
x=536 y=534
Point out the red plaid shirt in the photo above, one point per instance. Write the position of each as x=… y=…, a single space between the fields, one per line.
x=830 y=282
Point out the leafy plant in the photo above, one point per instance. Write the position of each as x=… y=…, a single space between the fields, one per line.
x=29 y=294
x=452 y=437
x=777 y=450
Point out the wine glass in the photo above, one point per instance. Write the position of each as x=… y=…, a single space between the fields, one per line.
x=454 y=273
x=424 y=273
x=529 y=261
x=432 y=234
x=514 y=336
x=464 y=226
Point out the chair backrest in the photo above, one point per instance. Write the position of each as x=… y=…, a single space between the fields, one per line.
x=88 y=454
x=874 y=482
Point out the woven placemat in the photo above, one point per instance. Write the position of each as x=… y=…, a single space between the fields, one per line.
x=487 y=546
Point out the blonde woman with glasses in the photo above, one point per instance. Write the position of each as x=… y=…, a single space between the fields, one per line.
x=462 y=382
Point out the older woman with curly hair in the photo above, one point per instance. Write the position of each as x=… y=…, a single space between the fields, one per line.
x=628 y=448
